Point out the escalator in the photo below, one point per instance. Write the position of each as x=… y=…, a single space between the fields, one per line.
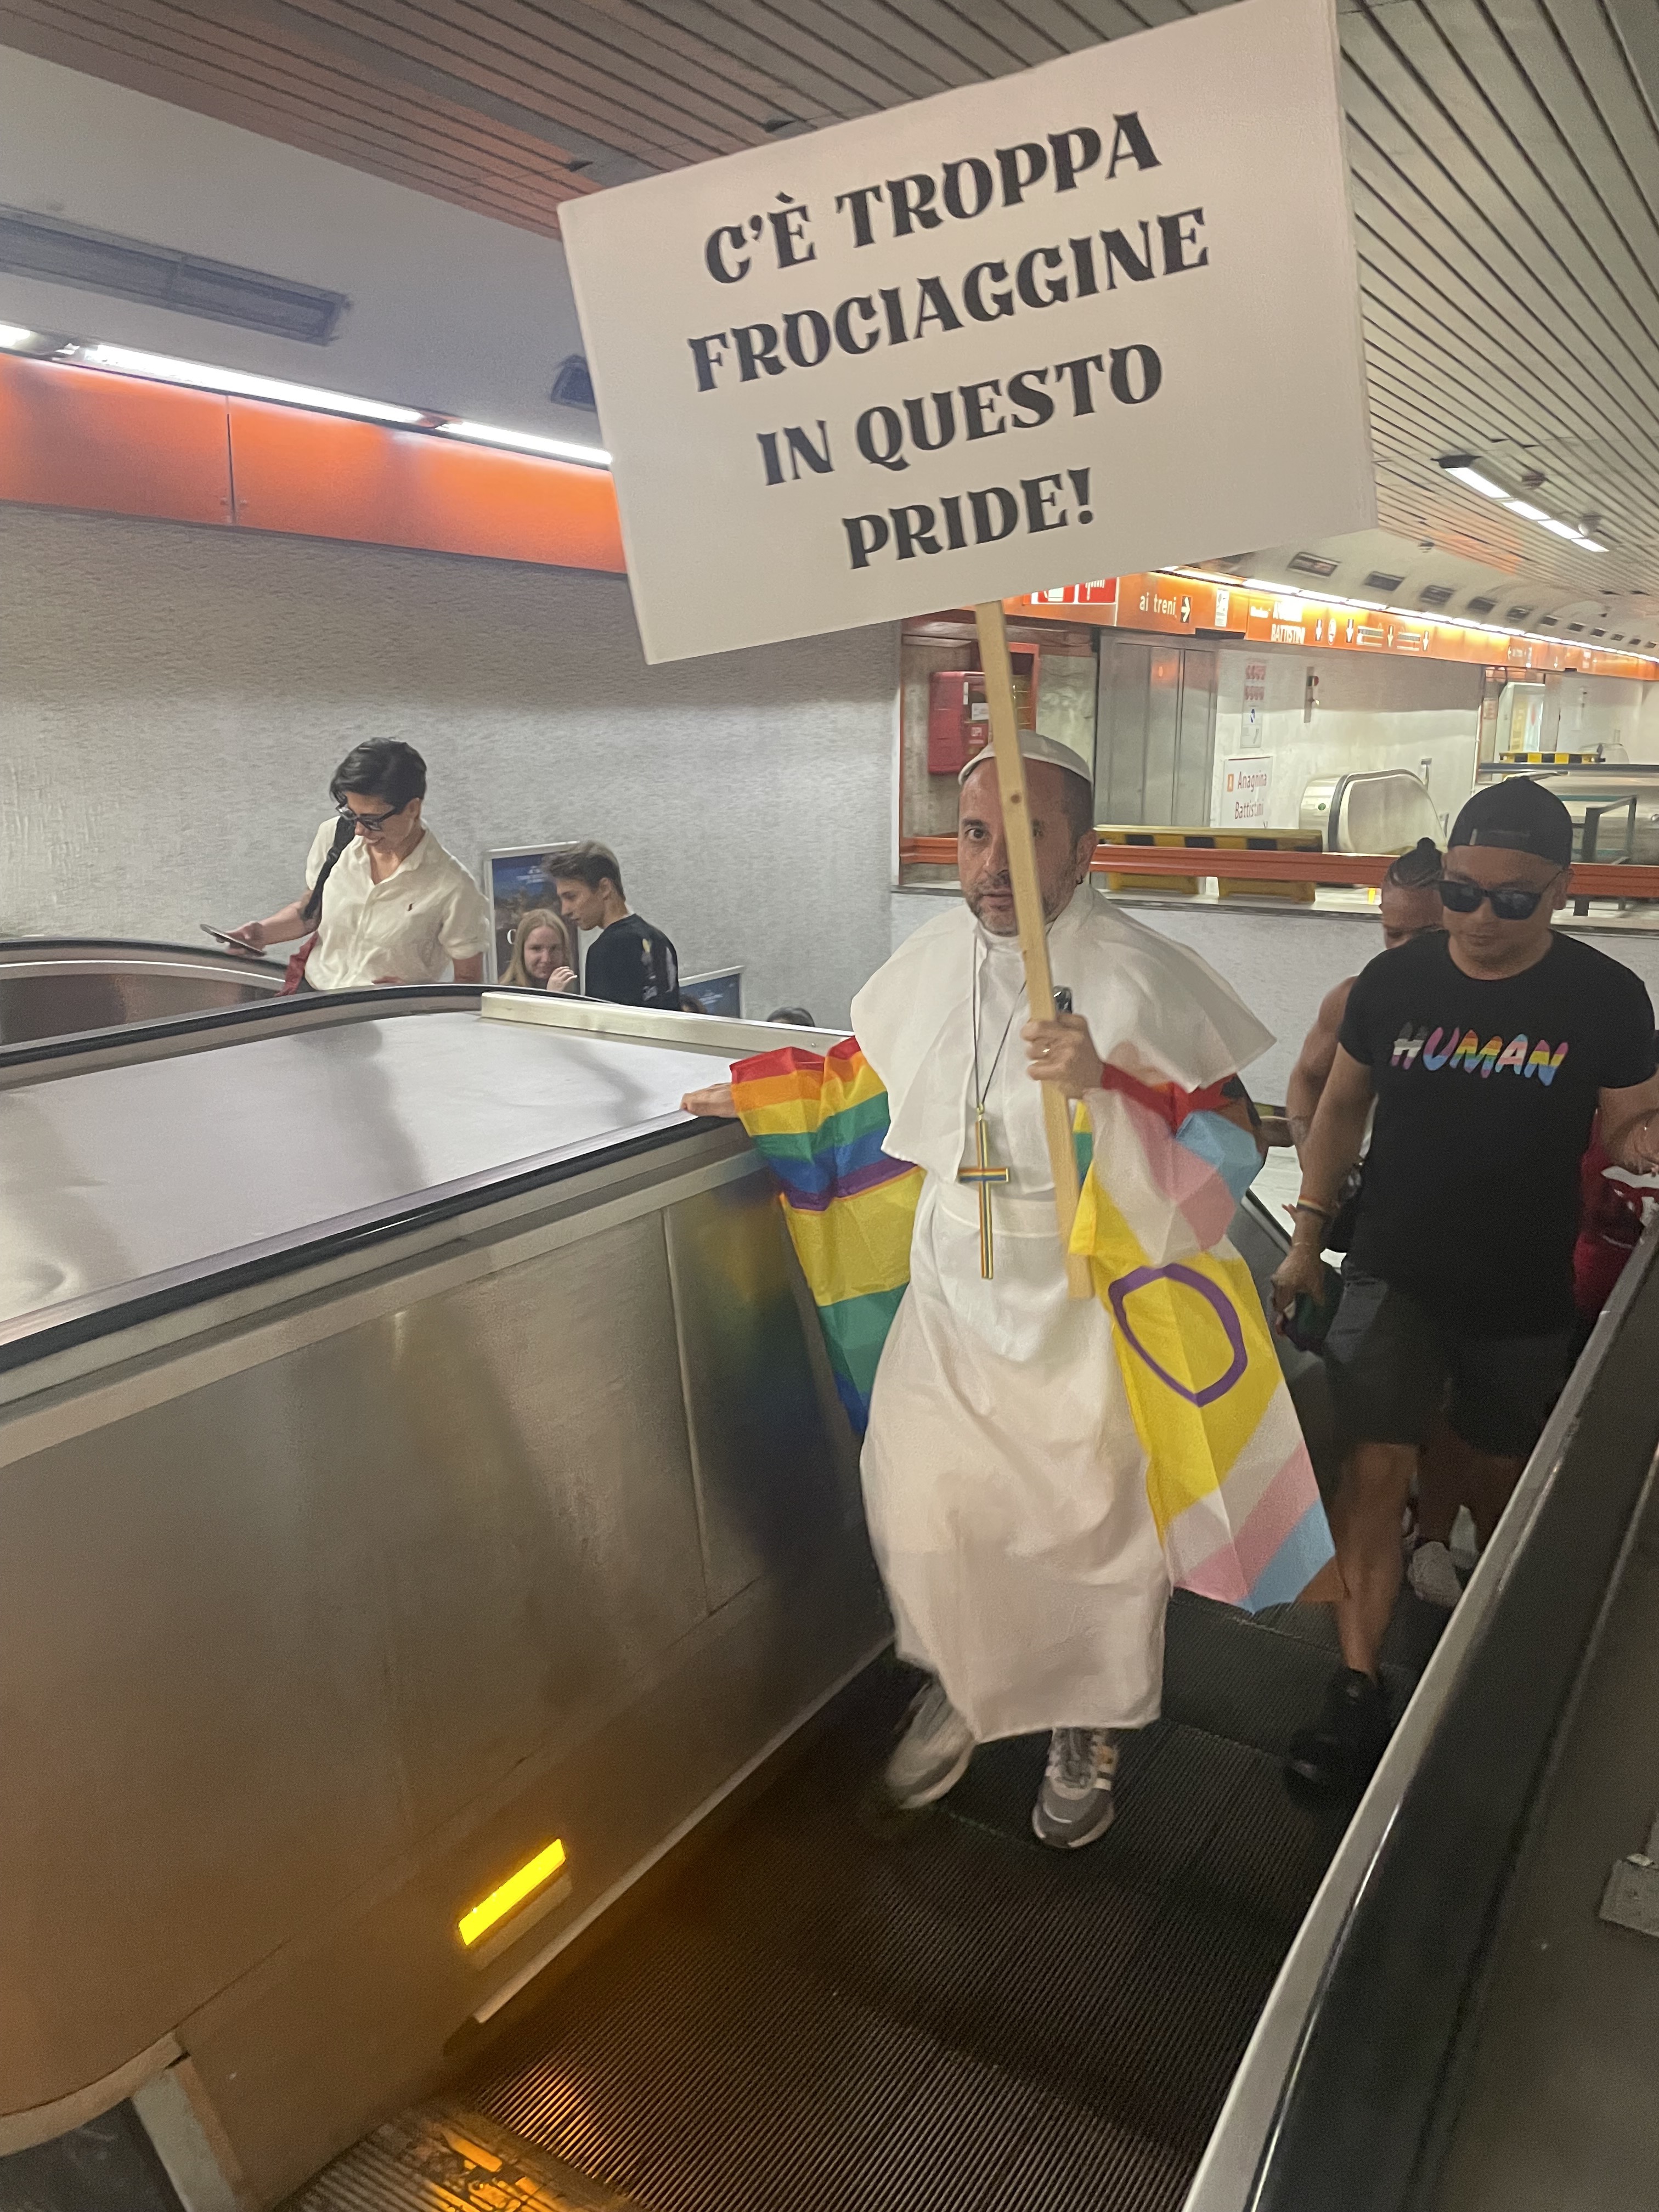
x=823 y=2012
x=828 y=2008
x=1231 y=2003
x=54 y=987
x=393 y=1556
x=829 y=2014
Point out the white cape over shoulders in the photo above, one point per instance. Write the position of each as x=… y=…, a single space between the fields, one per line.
x=1152 y=1008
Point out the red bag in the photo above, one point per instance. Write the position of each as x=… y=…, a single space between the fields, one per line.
x=295 y=978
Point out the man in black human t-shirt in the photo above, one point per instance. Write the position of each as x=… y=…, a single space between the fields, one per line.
x=1487 y=1051
x=631 y=962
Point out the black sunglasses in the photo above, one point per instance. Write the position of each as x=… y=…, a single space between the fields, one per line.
x=366 y=821
x=1509 y=903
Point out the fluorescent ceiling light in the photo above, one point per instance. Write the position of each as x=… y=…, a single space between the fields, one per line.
x=1474 y=480
x=14 y=334
x=1561 y=529
x=1525 y=508
x=1591 y=545
x=527 y=441
x=202 y=378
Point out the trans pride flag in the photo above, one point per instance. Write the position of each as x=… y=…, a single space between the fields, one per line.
x=819 y=1124
x=1228 y=1477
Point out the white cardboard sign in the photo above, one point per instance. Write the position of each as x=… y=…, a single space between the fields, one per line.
x=1246 y=786
x=1092 y=318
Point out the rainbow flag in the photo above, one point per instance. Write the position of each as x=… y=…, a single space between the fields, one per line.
x=1228 y=1476
x=819 y=1124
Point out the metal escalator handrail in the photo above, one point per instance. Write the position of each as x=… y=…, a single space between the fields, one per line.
x=31 y=1336
x=1334 y=2108
x=25 y=950
x=56 y=1328
x=76 y=1051
x=1266 y=1219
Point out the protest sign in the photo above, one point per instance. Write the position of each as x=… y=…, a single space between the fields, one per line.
x=1094 y=318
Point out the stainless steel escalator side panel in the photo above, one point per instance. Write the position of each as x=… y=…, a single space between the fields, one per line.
x=1231 y=2177
x=769 y=1479
x=53 y=987
x=318 y=1624
x=124 y=1183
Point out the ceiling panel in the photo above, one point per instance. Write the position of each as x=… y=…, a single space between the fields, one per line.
x=1505 y=158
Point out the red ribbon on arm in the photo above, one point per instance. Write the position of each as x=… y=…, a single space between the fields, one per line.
x=1167 y=1100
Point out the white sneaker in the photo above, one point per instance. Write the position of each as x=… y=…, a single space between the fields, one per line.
x=1432 y=1576
x=932 y=1755
x=1074 y=1804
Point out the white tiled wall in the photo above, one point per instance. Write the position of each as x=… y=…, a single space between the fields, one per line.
x=173 y=701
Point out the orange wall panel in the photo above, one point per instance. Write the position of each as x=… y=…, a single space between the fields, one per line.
x=79 y=437
x=323 y=477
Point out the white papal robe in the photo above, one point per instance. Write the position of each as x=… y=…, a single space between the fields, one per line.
x=1003 y=1477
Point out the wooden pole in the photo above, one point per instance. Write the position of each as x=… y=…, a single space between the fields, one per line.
x=1030 y=917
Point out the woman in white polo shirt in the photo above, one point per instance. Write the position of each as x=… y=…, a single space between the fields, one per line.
x=384 y=903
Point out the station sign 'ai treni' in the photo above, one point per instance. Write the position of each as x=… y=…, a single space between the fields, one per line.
x=1096 y=316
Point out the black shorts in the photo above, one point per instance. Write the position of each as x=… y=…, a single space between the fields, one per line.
x=1393 y=1366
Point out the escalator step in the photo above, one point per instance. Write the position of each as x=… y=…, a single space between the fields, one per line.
x=1258 y=1681
x=823 y=2018
x=443 y=2158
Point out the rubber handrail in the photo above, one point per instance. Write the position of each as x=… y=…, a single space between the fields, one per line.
x=311 y=1007
x=1364 y=2112
x=218 y=1277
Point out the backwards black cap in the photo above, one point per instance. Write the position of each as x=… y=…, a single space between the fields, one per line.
x=1520 y=815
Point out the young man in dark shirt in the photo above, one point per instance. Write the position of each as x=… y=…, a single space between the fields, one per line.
x=631 y=962
x=1409 y=907
x=1488 y=1050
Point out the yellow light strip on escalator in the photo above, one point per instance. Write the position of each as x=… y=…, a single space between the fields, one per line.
x=512 y=1893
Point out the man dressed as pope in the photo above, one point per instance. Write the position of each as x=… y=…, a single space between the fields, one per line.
x=1004 y=1478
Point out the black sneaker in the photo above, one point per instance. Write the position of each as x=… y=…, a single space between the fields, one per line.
x=1338 y=1755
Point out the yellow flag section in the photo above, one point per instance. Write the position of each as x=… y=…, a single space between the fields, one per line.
x=1228 y=1476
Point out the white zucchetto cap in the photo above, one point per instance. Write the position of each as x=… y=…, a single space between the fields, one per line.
x=1034 y=746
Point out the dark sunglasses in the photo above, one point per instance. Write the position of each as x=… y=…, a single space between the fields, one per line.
x=366 y=821
x=1510 y=903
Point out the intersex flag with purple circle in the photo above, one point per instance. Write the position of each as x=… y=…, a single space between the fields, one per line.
x=1228 y=1475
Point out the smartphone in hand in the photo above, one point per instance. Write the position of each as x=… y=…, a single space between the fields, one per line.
x=236 y=944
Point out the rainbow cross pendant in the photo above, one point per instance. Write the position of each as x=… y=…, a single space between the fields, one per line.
x=982 y=1174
